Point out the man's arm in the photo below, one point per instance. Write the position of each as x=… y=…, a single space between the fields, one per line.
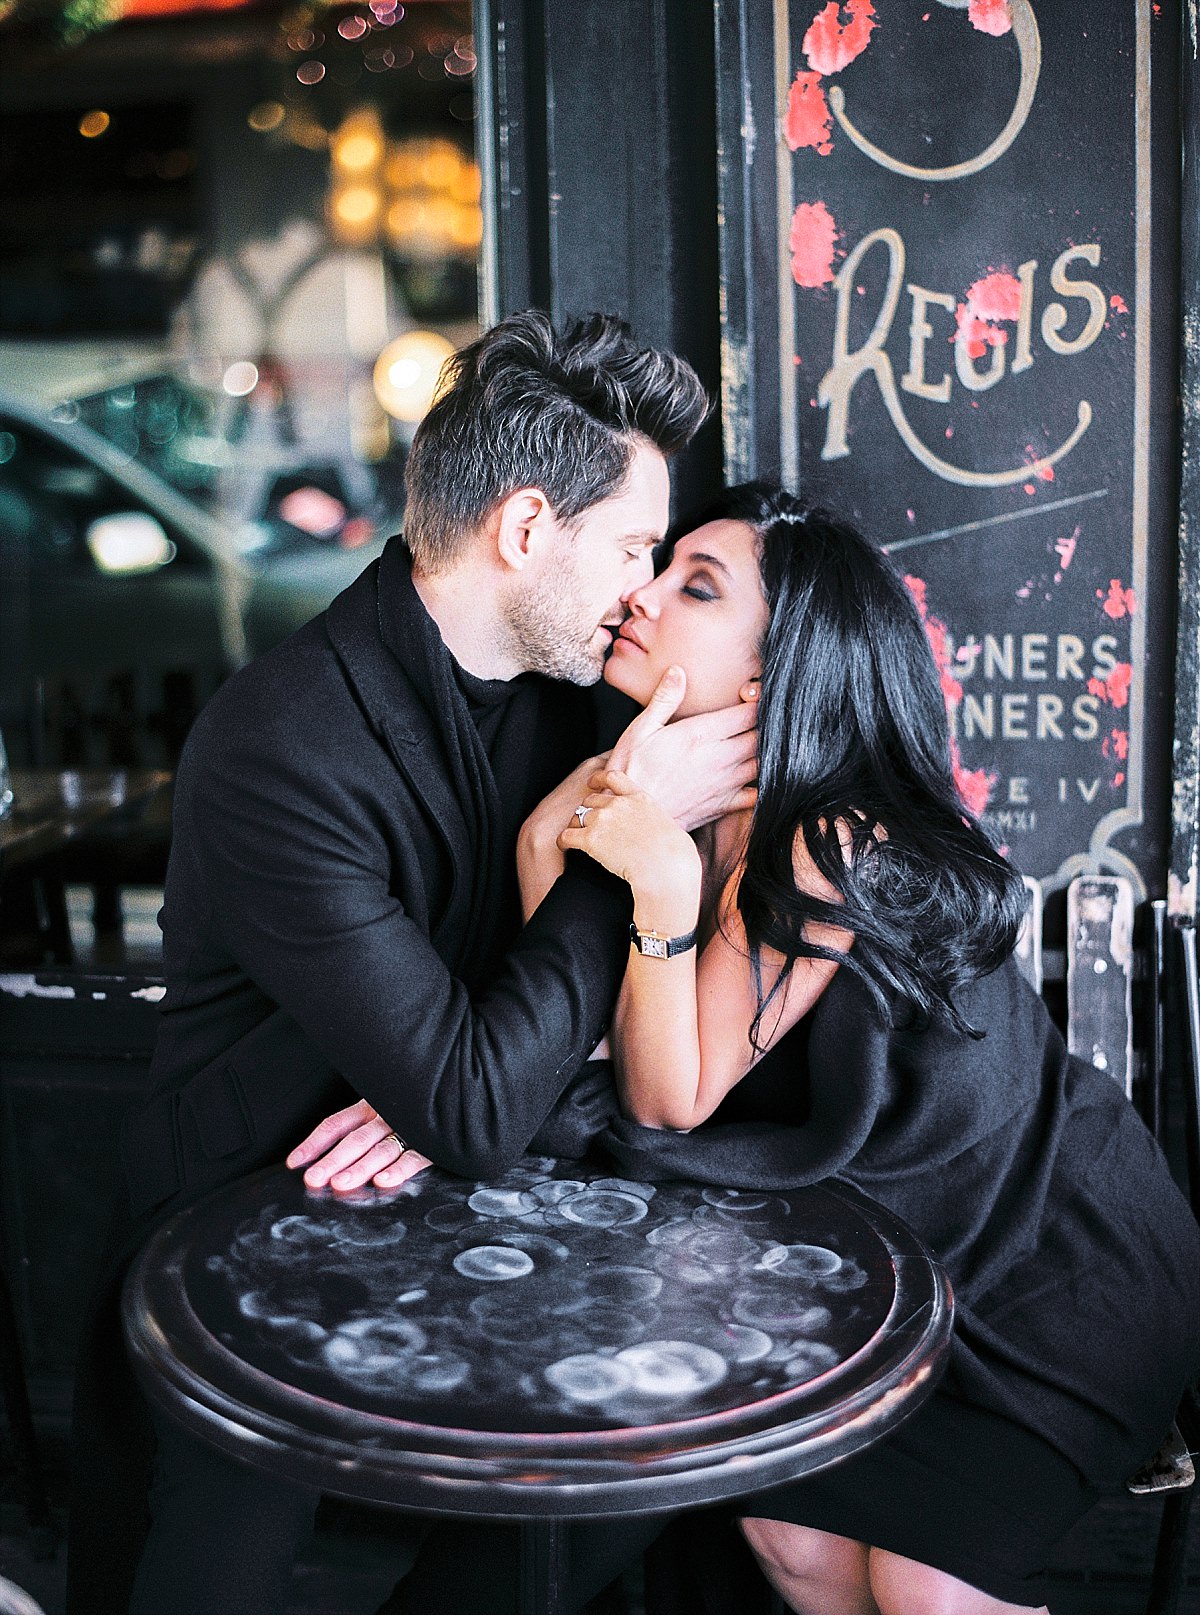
x=299 y=869
x=698 y=768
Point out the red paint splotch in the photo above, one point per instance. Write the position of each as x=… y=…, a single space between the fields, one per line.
x=995 y=296
x=1115 y=687
x=808 y=121
x=1119 y=602
x=811 y=242
x=831 y=44
x=1044 y=472
x=974 y=785
x=990 y=16
x=1118 y=304
x=1116 y=744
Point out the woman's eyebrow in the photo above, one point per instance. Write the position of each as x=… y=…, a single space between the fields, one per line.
x=699 y=558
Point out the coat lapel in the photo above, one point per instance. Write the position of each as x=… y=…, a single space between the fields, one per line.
x=408 y=732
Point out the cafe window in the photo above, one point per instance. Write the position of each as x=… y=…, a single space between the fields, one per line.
x=237 y=243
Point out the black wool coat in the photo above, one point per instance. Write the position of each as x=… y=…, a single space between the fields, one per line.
x=338 y=917
x=1074 y=1258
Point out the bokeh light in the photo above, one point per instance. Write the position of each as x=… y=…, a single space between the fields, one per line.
x=407 y=371
x=265 y=116
x=240 y=378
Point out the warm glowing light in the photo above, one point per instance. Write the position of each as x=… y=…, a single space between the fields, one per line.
x=407 y=372
x=468 y=184
x=93 y=124
x=357 y=152
x=265 y=116
x=352 y=27
x=441 y=165
x=356 y=204
x=466 y=227
x=405 y=220
x=240 y=378
x=404 y=167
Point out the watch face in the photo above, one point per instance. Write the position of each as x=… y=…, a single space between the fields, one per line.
x=655 y=946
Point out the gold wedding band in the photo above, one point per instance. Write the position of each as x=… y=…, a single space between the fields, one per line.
x=581 y=814
x=397 y=1140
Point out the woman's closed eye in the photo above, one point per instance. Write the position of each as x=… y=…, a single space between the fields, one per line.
x=699 y=591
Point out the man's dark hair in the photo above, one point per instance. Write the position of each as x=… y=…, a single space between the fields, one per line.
x=524 y=406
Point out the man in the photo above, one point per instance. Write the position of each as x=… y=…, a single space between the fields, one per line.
x=341 y=914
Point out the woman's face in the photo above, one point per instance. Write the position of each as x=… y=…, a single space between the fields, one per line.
x=705 y=613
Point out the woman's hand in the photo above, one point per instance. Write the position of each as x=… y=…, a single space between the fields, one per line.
x=354 y=1147
x=539 y=858
x=627 y=832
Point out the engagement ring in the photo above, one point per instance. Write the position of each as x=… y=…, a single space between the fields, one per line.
x=581 y=814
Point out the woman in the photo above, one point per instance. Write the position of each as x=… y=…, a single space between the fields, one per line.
x=852 y=982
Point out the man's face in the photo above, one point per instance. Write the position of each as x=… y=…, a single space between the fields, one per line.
x=562 y=616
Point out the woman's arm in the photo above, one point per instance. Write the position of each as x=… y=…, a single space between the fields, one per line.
x=539 y=857
x=681 y=1032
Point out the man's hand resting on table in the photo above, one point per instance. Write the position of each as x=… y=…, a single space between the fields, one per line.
x=354 y=1147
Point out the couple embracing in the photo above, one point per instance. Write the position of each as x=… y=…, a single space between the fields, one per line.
x=754 y=939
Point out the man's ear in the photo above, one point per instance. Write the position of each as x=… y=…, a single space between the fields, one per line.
x=523 y=522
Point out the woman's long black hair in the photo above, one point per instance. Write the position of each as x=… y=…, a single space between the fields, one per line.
x=852 y=729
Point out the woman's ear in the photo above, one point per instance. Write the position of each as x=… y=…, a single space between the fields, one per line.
x=751 y=690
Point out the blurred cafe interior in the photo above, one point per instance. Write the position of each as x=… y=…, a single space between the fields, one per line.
x=942 y=272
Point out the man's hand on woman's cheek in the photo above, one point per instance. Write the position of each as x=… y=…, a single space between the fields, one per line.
x=354 y=1147
x=697 y=769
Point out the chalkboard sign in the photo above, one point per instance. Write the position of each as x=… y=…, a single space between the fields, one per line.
x=937 y=273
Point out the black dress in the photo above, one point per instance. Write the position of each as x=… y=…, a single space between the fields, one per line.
x=1074 y=1258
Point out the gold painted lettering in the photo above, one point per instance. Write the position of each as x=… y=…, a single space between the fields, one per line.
x=999 y=660
x=1049 y=711
x=979 y=717
x=1033 y=656
x=1054 y=316
x=1023 y=357
x=1104 y=655
x=1070 y=654
x=972 y=379
x=919 y=331
x=1014 y=719
x=1029 y=48
x=846 y=369
x=840 y=380
x=1085 y=709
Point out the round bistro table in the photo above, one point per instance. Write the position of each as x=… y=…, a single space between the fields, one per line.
x=559 y=1344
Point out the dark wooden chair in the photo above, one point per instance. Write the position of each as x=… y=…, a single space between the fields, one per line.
x=1108 y=978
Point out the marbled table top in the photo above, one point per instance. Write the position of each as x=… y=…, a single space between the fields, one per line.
x=558 y=1307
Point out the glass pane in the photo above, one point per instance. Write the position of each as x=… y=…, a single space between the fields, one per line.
x=237 y=242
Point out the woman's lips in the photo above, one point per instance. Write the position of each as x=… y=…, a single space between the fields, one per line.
x=628 y=637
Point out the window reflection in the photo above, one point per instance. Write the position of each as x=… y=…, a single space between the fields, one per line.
x=237 y=250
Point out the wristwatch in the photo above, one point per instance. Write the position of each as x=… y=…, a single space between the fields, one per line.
x=653 y=946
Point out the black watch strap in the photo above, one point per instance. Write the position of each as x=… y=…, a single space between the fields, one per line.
x=653 y=946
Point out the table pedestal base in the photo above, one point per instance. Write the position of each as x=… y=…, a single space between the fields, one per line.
x=545 y=1567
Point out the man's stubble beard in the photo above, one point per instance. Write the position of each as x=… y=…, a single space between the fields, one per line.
x=547 y=630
